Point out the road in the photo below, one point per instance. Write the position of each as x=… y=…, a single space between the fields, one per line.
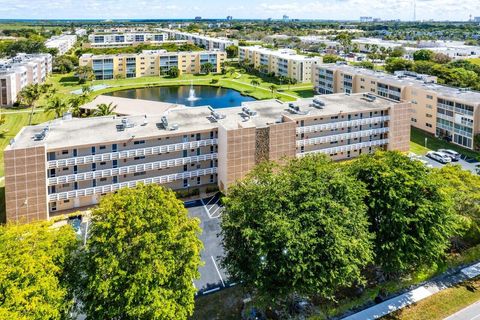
x=472 y=312
x=470 y=166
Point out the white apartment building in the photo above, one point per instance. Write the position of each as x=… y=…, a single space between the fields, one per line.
x=80 y=32
x=125 y=39
x=20 y=71
x=209 y=43
x=63 y=43
x=282 y=62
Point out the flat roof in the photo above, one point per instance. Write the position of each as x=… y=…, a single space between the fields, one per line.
x=469 y=96
x=281 y=53
x=98 y=130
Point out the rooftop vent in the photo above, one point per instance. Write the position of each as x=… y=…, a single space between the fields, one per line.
x=164 y=122
x=317 y=103
x=145 y=121
x=295 y=109
x=369 y=97
x=174 y=127
x=218 y=116
x=42 y=134
x=249 y=112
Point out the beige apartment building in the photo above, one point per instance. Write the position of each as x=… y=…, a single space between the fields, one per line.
x=151 y=63
x=68 y=163
x=282 y=62
x=20 y=71
x=125 y=39
x=446 y=112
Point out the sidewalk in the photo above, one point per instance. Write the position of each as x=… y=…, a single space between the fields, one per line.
x=415 y=295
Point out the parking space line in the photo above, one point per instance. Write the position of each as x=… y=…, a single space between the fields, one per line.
x=218 y=271
x=211 y=290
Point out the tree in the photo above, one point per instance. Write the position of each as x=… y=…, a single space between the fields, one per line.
x=423 y=55
x=424 y=67
x=365 y=64
x=255 y=83
x=465 y=189
x=345 y=40
x=395 y=64
x=331 y=58
x=297 y=228
x=231 y=71
x=57 y=106
x=64 y=64
x=35 y=270
x=75 y=103
x=232 y=51
x=173 y=72
x=207 y=67
x=410 y=214
x=141 y=257
x=397 y=52
x=104 y=109
x=85 y=73
x=28 y=96
x=441 y=58
x=273 y=89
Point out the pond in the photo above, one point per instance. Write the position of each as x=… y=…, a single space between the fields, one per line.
x=192 y=96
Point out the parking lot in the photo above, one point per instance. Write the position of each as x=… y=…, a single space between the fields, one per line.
x=466 y=164
x=212 y=275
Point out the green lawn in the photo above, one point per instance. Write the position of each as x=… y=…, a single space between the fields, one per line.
x=417 y=144
x=225 y=304
x=474 y=60
x=442 y=304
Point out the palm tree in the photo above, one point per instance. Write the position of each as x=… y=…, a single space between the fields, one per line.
x=255 y=83
x=28 y=96
x=75 y=103
x=56 y=105
x=273 y=89
x=207 y=67
x=231 y=71
x=104 y=109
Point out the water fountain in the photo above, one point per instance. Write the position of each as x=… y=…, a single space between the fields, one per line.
x=191 y=93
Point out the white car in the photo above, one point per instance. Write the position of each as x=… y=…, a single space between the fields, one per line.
x=439 y=156
x=451 y=153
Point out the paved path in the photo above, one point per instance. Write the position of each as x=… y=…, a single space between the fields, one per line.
x=22 y=111
x=472 y=312
x=415 y=295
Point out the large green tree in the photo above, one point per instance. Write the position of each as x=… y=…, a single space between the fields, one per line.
x=300 y=228
x=142 y=254
x=410 y=213
x=35 y=261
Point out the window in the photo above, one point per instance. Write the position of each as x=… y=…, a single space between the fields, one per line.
x=139 y=158
x=102 y=147
x=198 y=180
x=185 y=183
x=64 y=151
x=103 y=179
x=139 y=173
x=64 y=168
x=139 y=142
x=94 y=166
x=429 y=125
x=103 y=163
x=93 y=150
x=428 y=115
x=429 y=97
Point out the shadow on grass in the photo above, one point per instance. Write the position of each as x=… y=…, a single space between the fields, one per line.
x=305 y=93
x=68 y=80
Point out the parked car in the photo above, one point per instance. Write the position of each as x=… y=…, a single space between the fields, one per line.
x=439 y=156
x=451 y=153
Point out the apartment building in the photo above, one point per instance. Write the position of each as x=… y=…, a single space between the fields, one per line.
x=151 y=63
x=62 y=43
x=209 y=43
x=68 y=163
x=20 y=71
x=446 y=112
x=126 y=39
x=283 y=62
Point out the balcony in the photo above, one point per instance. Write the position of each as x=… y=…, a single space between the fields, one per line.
x=342 y=124
x=130 y=153
x=343 y=136
x=130 y=169
x=346 y=148
x=129 y=184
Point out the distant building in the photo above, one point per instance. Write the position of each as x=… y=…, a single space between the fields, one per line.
x=62 y=43
x=476 y=19
x=117 y=40
x=285 y=17
x=81 y=32
x=198 y=18
x=229 y=18
x=20 y=71
x=150 y=63
x=366 y=19
x=209 y=43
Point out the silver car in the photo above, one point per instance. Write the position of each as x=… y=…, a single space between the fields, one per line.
x=454 y=155
x=439 y=156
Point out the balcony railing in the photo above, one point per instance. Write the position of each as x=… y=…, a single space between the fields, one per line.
x=343 y=136
x=345 y=148
x=130 y=153
x=342 y=124
x=129 y=184
x=130 y=169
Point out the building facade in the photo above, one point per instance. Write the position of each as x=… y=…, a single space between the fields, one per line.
x=68 y=163
x=20 y=71
x=446 y=112
x=62 y=43
x=118 y=40
x=151 y=63
x=283 y=62
x=209 y=43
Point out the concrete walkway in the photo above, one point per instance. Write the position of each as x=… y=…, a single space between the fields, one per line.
x=472 y=312
x=415 y=295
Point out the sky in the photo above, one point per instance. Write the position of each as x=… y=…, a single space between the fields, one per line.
x=250 y=9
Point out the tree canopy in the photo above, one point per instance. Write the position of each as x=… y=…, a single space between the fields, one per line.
x=35 y=261
x=297 y=228
x=410 y=213
x=141 y=257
